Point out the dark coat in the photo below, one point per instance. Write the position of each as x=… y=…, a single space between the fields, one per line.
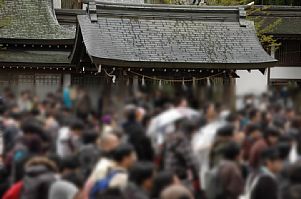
x=266 y=188
x=137 y=137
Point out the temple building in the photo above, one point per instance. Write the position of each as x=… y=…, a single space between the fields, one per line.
x=34 y=47
x=111 y=44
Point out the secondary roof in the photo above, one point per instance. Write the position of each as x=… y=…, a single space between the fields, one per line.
x=170 y=36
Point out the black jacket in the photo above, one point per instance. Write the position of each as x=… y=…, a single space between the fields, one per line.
x=137 y=137
x=266 y=188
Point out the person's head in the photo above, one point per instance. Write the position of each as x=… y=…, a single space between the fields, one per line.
x=210 y=111
x=226 y=131
x=189 y=126
x=163 y=180
x=130 y=112
x=124 y=155
x=231 y=151
x=181 y=102
x=69 y=164
x=89 y=137
x=284 y=149
x=140 y=113
x=76 y=127
x=271 y=135
x=31 y=127
x=234 y=119
x=108 y=142
x=271 y=159
x=176 y=192
x=255 y=116
x=142 y=174
x=253 y=131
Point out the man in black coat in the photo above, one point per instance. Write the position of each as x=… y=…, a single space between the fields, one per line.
x=137 y=137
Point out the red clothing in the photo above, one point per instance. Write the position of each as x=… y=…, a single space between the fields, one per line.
x=14 y=192
x=256 y=152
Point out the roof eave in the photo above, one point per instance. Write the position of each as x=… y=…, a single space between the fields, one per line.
x=37 y=41
x=191 y=65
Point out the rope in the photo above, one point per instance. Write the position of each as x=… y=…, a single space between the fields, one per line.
x=175 y=80
x=110 y=75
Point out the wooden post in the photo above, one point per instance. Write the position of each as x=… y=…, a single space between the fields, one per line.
x=273 y=51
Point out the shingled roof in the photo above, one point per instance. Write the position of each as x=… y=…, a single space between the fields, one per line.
x=170 y=36
x=31 y=35
x=31 y=19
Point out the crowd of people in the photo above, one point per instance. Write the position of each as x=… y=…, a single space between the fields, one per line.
x=159 y=148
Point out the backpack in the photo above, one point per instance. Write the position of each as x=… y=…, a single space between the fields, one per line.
x=102 y=185
x=214 y=187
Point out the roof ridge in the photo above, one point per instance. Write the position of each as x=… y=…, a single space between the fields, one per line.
x=162 y=6
x=160 y=11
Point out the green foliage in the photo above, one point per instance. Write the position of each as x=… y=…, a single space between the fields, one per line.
x=278 y=2
x=263 y=27
x=177 y=2
x=227 y=2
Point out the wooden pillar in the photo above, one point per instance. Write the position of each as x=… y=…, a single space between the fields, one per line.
x=273 y=51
